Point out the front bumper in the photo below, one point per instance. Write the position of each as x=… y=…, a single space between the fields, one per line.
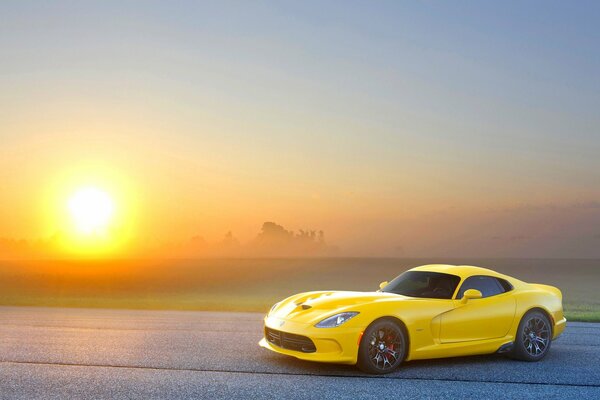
x=333 y=345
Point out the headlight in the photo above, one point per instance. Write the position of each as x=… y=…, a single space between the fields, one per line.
x=336 y=320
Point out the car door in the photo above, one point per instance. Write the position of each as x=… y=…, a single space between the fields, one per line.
x=478 y=319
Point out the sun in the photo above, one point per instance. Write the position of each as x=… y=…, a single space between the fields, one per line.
x=92 y=210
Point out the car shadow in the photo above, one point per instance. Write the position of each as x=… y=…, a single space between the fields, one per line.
x=410 y=369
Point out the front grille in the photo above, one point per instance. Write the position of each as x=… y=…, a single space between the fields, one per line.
x=290 y=341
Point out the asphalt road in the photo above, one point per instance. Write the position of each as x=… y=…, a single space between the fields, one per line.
x=48 y=353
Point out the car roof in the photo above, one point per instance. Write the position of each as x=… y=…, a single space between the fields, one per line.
x=463 y=271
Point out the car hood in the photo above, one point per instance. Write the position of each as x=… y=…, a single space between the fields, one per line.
x=312 y=307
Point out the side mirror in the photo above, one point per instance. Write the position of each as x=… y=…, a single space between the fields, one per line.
x=383 y=284
x=471 y=294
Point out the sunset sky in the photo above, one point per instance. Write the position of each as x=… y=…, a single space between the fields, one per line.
x=399 y=129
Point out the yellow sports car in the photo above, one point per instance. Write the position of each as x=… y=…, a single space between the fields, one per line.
x=432 y=311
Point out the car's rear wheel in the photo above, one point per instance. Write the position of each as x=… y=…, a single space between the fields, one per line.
x=534 y=337
x=382 y=347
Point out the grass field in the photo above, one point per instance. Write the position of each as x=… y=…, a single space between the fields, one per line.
x=255 y=284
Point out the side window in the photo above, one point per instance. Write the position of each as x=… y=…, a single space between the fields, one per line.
x=487 y=285
x=505 y=284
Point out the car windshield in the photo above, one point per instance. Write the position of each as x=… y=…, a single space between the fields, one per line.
x=431 y=285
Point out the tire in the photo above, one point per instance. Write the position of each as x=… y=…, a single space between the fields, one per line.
x=382 y=347
x=534 y=337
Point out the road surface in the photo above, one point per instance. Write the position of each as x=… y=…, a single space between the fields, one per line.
x=49 y=353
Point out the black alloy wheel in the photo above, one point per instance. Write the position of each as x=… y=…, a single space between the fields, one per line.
x=534 y=337
x=382 y=347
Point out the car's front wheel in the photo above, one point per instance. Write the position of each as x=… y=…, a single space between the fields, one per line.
x=382 y=347
x=534 y=337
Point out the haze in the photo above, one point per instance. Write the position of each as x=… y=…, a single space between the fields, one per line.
x=399 y=129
